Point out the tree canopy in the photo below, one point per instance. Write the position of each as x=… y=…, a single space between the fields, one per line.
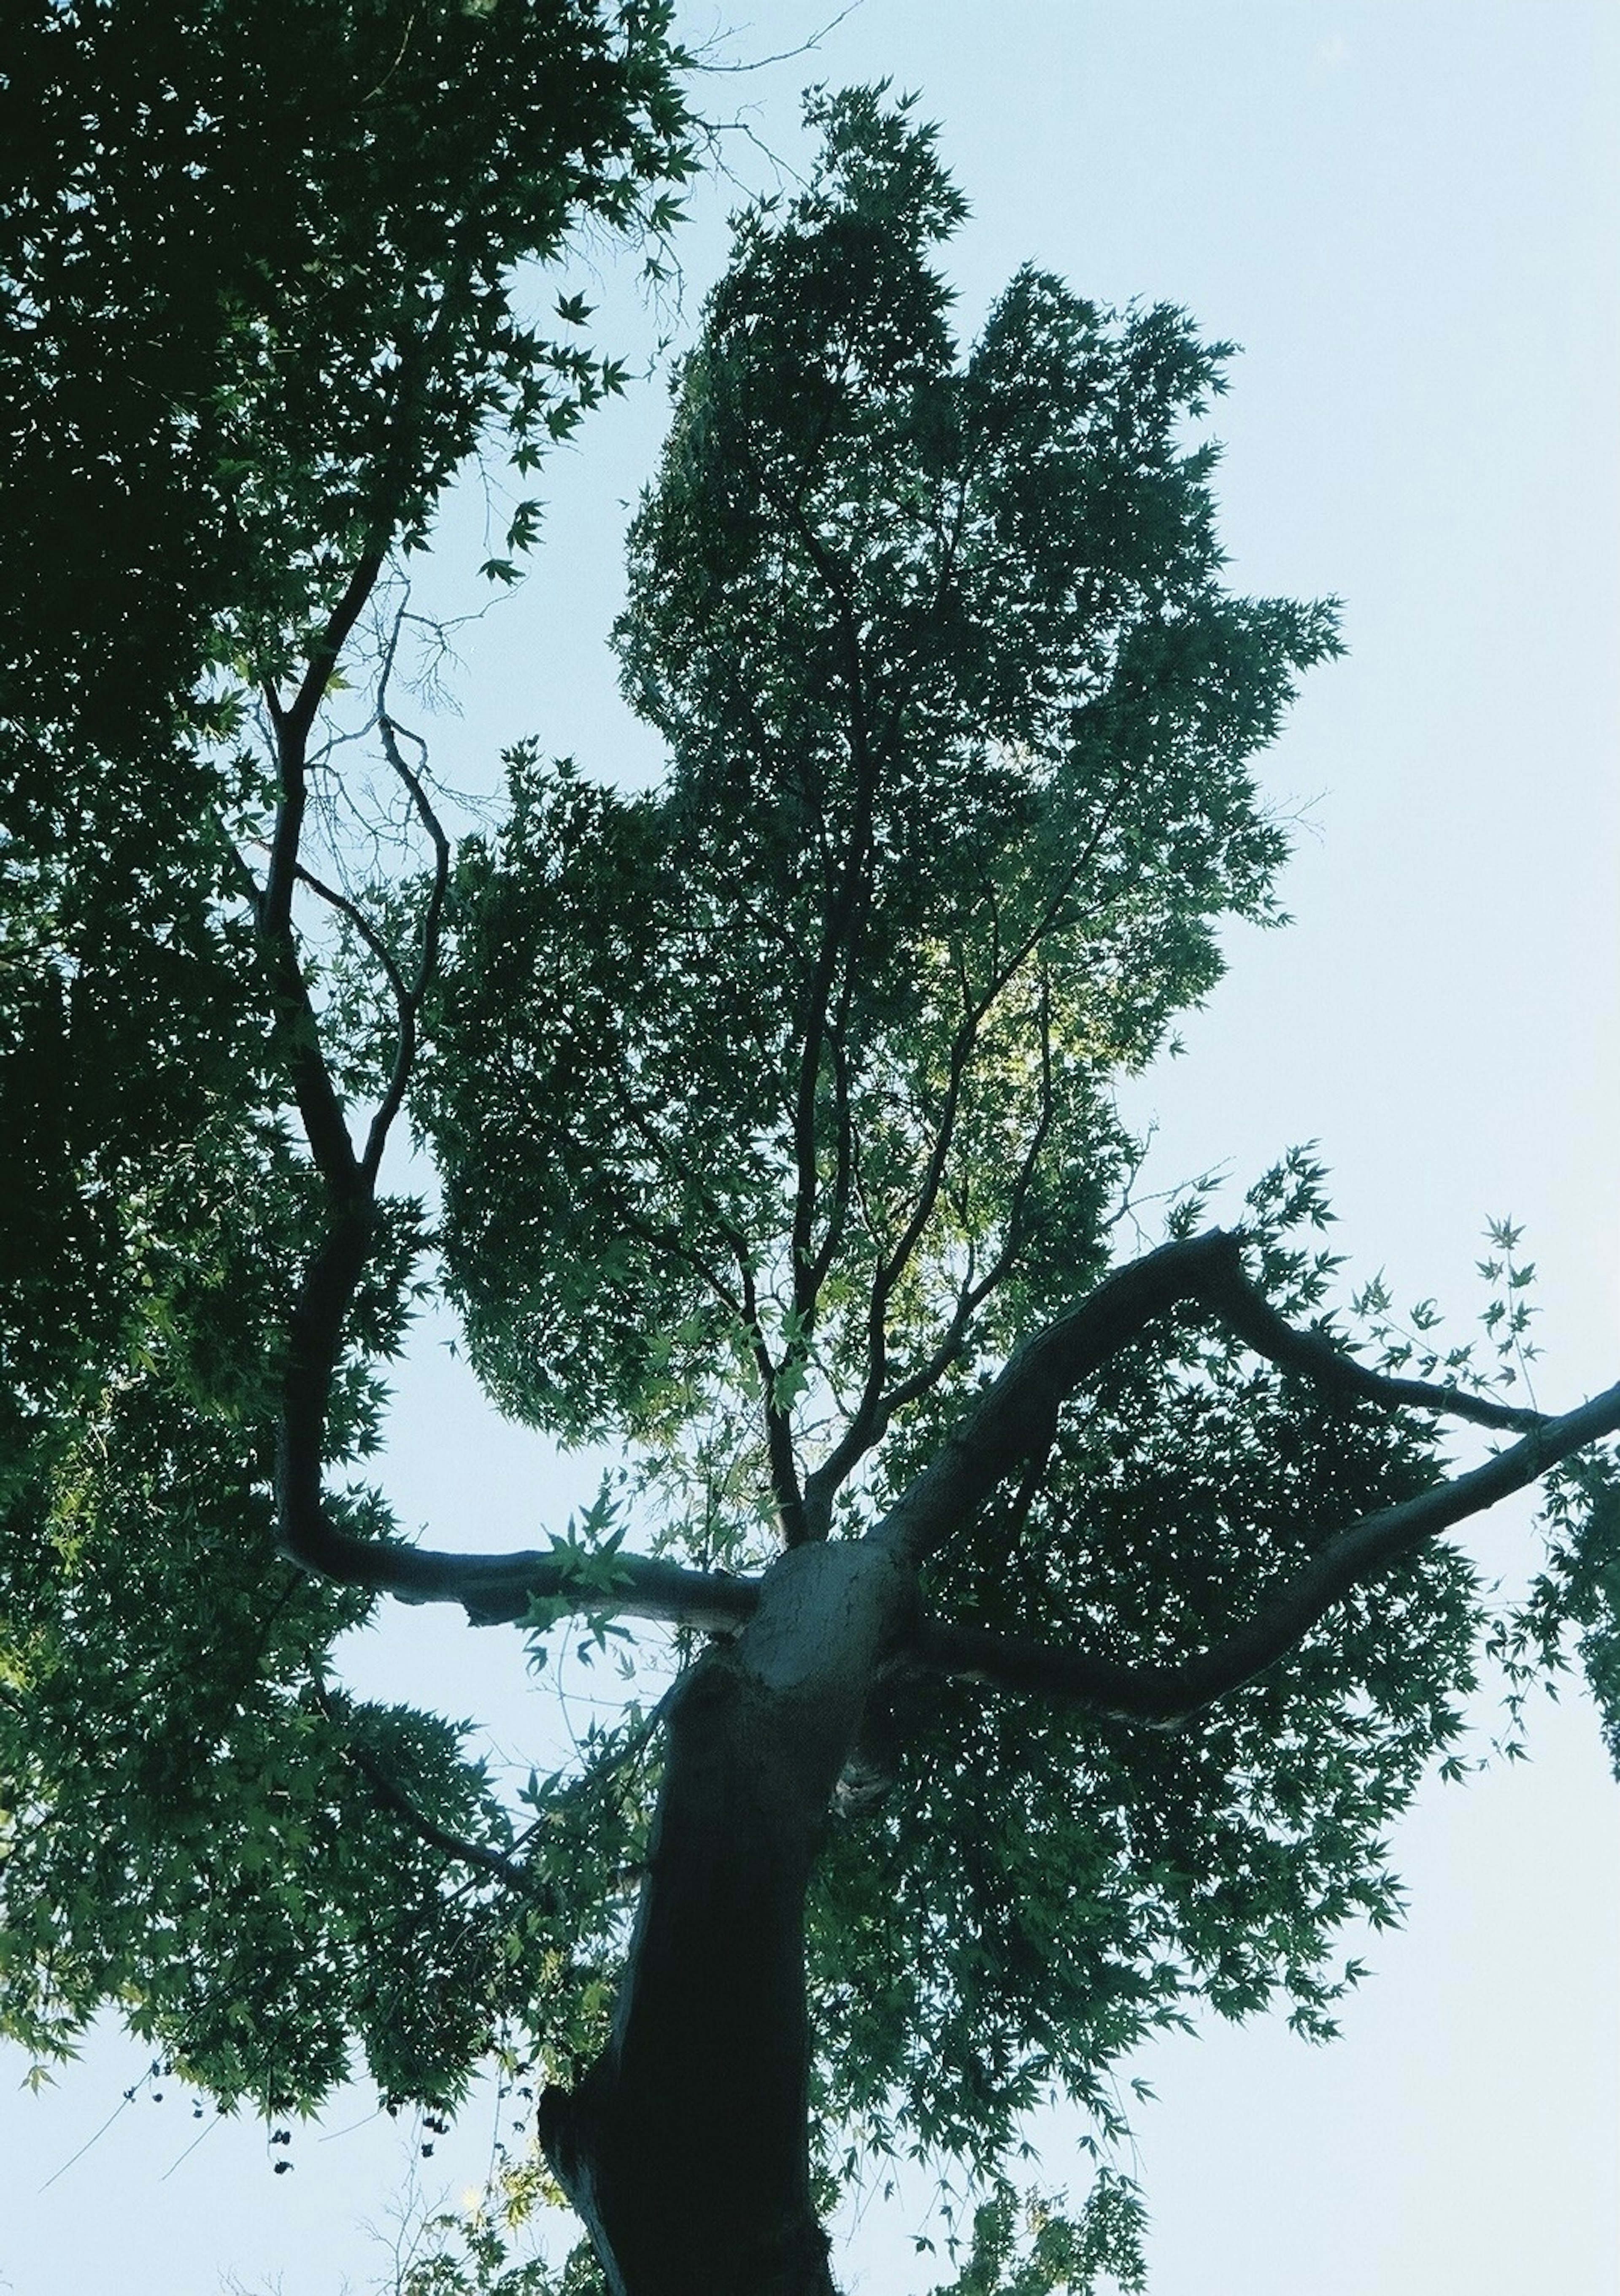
x=1059 y=1628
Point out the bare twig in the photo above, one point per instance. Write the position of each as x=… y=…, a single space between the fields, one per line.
x=807 y=46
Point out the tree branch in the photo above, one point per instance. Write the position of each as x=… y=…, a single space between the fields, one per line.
x=476 y=1854
x=410 y=1006
x=1168 y=1694
x=1257 y=1323
x=320 y=1109
x=498 y=1589
x=351 y=912
x=1017 y=1412
x=876 y=1408
x=1012 y=1420
x=839 y=923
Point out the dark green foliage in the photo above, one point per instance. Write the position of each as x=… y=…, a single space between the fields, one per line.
x=1575 y=1598
x=1080 y=1883
x=256 y=308
x=258 y=304
x=257 y=269
x=959 y=721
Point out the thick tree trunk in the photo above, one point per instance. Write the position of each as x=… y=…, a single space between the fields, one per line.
x=685 y=2147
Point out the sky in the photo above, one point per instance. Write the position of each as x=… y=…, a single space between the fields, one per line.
x=1406 y=213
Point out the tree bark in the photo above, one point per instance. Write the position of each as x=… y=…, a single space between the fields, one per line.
x=686 y=2148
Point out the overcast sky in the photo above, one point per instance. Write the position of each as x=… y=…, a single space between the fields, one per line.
x=1406 y=214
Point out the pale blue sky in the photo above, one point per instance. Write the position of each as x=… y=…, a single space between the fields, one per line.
x=1406 y=212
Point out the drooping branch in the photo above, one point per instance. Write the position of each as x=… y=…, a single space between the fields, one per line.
x=1241 y=1308
x=355 y=916
x=478 y=1855
x=1169 y=1694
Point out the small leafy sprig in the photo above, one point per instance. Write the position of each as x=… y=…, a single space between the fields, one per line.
x=586 y=1558
x=1410 y=1344
x=1507 y=1319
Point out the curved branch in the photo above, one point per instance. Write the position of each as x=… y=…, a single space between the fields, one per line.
x=1257 y=1323
x=1016 y=1413
x=1167 y=1695
x=319 y=1105
x=498 y=1589
x=356 y=916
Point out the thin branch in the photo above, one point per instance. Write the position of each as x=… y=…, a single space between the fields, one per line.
x=845 y=897
x=394 y=1798
x=808 y=46
x=836 y=933
x=872 y=1410
x=389 y=731
x=877 y=1406
x=404 y=1051
x=669 y=1242
x=298 y=715
x=843 y=1153
x=362 y=924
x=976 y=1292
x=477 y=1854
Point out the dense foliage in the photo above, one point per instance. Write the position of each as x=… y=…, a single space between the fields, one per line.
x=257 y=306
x=258 y=302
x=983 y=867
x=959 y=720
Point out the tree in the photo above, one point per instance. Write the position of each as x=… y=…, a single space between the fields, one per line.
x=1098 y=1600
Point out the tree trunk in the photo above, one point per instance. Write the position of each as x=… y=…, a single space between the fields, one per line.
x=685 y=2149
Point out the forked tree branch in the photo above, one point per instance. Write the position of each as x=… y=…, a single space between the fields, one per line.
x=877 y=1404
x=1016 y=1413
x=1014 y=1420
